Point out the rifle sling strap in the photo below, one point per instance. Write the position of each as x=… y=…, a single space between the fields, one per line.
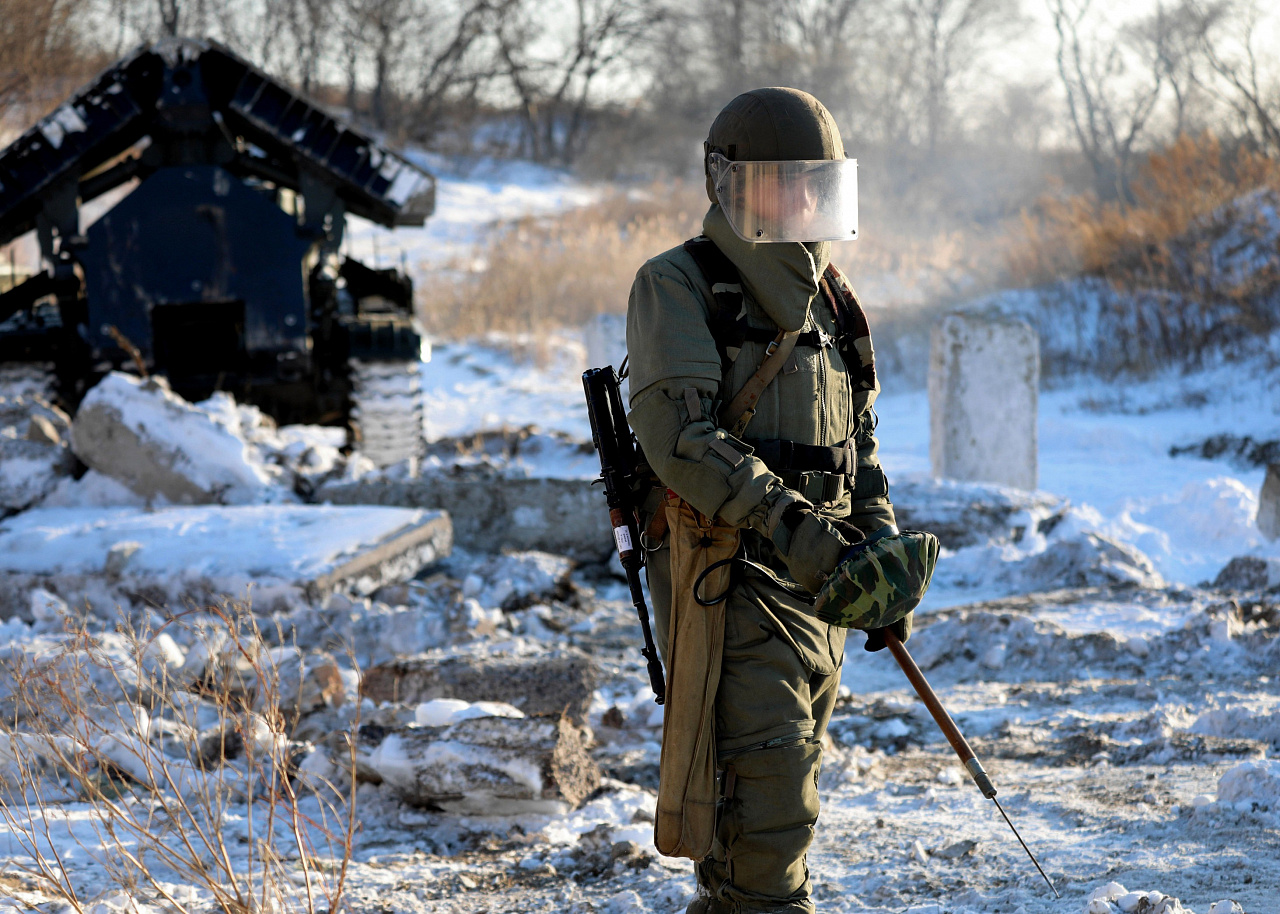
x=737 y=414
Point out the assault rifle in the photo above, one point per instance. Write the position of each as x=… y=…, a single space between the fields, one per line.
x=613 y=440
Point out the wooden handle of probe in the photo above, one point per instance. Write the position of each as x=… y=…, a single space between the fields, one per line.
x=940 y=715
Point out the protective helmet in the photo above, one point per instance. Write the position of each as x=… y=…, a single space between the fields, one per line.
x=775 y=163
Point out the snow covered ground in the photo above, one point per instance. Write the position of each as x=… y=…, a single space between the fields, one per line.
x=1127 y=710
x=1104 y=447
x=1107 y=713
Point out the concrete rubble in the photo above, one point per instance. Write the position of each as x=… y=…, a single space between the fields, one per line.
x=1248 y=573
x=198 y=552
x=984 y=382
x=159 y=445
x=484 y=765
x=492 y=512
x=513 y=580
x=33 y=450
x=969 y=514
x=560 y=682
x=1085 y=560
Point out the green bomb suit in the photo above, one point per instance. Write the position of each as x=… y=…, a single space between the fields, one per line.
x=781 y=665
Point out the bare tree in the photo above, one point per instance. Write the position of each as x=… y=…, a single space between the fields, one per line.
x=555 y=89
x=733 y=26
x=170 y=16
x=826 y=35
x=41 y=49
x=825 y=26
x=946 y=36
x=379 y=32
x=1172 y=36
x=310 y=22
x=450 y=65
x=354 y=31
x=1107 y=119
x=1228 y=39
x=256 y=29
x=1173 y=33
x=147 y=20
x=898 y=69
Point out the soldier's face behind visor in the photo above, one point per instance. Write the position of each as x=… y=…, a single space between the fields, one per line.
x=808 y=200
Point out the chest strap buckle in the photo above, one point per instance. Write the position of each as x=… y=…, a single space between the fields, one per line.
x=819 y=488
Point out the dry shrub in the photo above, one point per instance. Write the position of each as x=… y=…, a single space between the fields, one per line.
x=1131 y=243
x=108 y=747
x=1186 y=271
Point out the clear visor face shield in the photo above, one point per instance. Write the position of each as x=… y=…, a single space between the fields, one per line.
x=806 y=200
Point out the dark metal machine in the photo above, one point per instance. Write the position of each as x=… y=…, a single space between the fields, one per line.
x=217 y=261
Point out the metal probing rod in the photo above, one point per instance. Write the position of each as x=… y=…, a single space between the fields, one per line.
x=954 y=737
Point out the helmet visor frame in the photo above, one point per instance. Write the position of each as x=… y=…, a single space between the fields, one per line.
x=798 y=200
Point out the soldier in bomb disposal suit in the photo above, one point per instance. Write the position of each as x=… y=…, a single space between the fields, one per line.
x=753 y=381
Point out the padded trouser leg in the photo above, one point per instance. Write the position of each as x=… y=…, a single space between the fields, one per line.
x=771 y=713
x=767 y=827
x=772 y=709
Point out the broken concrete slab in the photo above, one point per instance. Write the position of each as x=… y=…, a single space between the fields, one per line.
x=43 y=431
x=19 y=410
x=313 y=548
x=1084 y=560
x=513 y=580
x=29 y=379
x=32 y=469
x=396 y=557
x=485 y=765
x=1249 y=572
x=973 y=513
x=525 y=452
x=984 y=382
x=492 y=512
x=560 y=682
x=32 y=450
x=160 y=446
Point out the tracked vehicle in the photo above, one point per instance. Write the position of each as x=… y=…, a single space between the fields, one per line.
x=217 y=260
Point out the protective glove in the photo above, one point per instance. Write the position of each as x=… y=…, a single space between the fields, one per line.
x=814 y=545
x=901 y=628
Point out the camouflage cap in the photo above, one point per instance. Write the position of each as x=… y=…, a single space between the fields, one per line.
x=880 y=584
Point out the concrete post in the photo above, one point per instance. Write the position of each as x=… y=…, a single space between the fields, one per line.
x=605 y=337
x=1269 y=504
x=984 y=381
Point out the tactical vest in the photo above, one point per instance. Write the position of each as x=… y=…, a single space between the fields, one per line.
x=821 y=474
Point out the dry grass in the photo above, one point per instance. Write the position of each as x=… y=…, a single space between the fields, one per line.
x=543 y=273
x=540 y=273
x=1065 y=236
x=159 y=765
